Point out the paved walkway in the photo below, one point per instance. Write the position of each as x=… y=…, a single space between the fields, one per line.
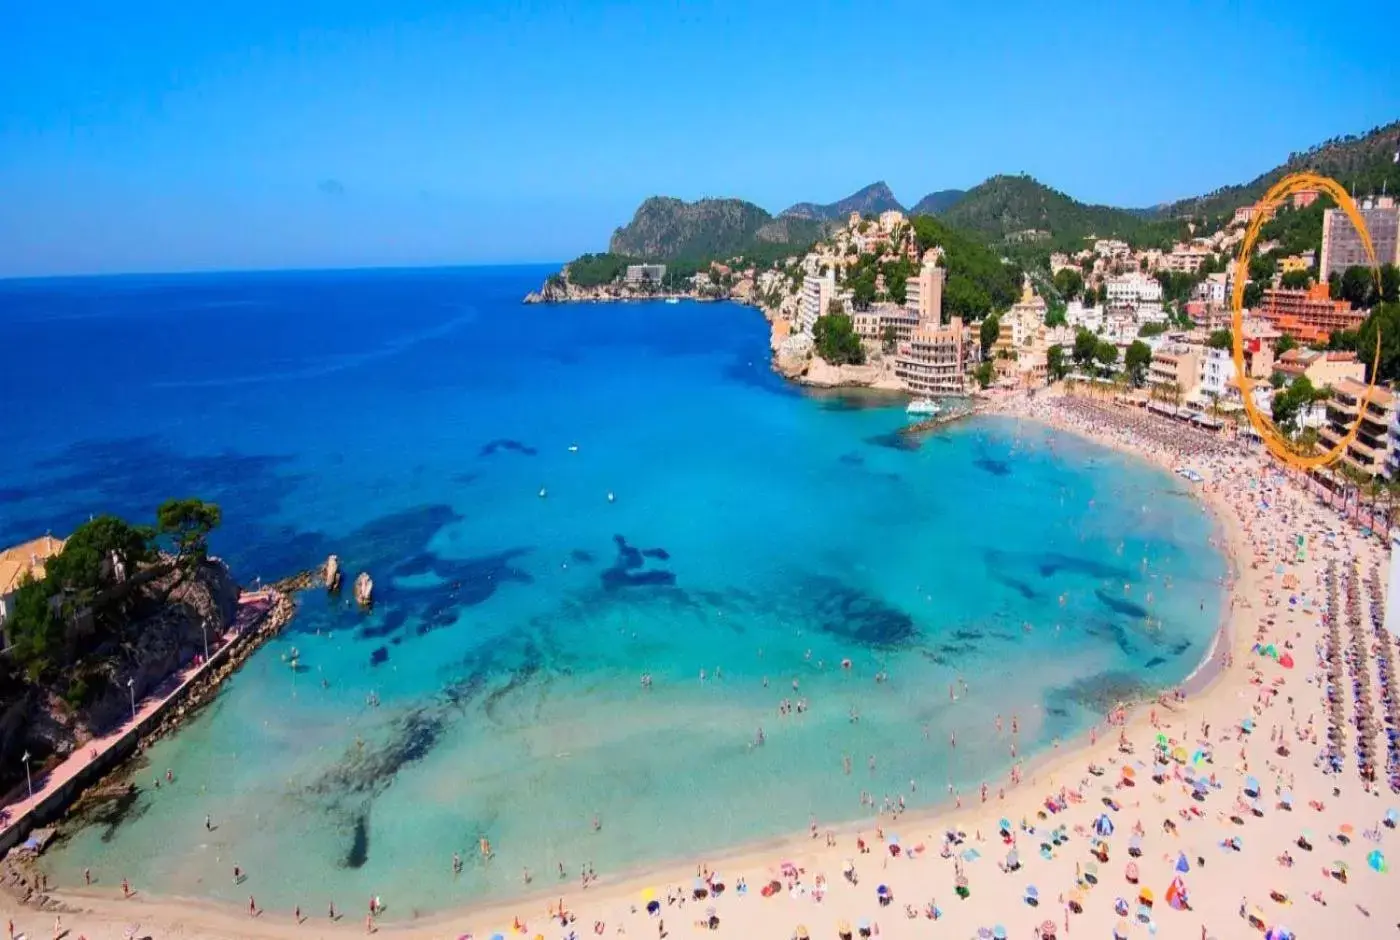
x=251 y=606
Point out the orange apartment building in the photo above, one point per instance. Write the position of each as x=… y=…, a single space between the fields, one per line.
x=1309 y=316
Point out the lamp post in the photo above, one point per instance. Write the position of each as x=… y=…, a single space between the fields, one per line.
x=28 y=779
x=131 y=687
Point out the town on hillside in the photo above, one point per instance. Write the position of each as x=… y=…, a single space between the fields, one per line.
x=909 y=304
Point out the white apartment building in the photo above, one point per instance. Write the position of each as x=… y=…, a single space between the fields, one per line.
x=1133 y=290
x=1212 y=290
x=817 y=292
x=1090 y=318
x=1218 y=376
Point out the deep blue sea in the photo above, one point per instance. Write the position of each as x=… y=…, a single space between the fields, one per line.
x=408 y=421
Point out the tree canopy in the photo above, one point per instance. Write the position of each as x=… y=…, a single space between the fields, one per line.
x=978 y=281
x=836 y=340
x=187 y=523
x=1136 y=359
x=1055 y=362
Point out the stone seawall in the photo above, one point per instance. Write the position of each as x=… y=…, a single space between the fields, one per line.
x=167 y=715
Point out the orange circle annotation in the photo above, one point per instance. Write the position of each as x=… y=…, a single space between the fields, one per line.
x=1279 y=445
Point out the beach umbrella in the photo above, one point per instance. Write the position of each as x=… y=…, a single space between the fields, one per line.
x=1179 y=754
x=648 y=894
x=1181 y=863
x=1286 y=660
x=1145 y=896
x=1251 y=786
x=1130 y=872
x=1346 y=829
x=843 y=926
x=1032 y=894
x=998 y=932
x=1013 y=859
x=882 y=891
x=1047 y=928
x=1104 y=826
x=1376 y=860
x=1120 y=930
x=801 y=932
x=1004 y=825
x=1248 y=725
x=1129 y=772
x=863 y=924
x=971 y=855
x=653 y=906
x=1391 y=818
x=1161 y=739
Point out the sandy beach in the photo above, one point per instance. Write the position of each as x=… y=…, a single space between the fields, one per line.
x=1270 y=837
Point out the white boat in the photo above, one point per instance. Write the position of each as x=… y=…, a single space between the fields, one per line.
x=925 y=407
x=673 y=300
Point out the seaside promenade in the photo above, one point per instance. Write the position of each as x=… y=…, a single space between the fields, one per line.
x=1254 y=802
x=17 y=818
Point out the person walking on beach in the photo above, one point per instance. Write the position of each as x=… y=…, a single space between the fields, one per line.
x=208 y=823
x=87 y=877
x=126 y=888
x=252 y=906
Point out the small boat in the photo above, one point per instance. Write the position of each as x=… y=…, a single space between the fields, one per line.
x=923 y=406
x=673 y=300
x=611 y=498
x=543 y=493
x=573 y=448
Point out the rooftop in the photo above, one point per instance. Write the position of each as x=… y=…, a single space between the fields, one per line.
x=26 y=558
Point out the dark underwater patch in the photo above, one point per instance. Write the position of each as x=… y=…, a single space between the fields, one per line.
x=997 y=468
x=851 y=460
x=1016 y=584
x=582 y=556
x=358 y=853
x=1154 y=662
x=625 y=569
x=508 y=445
x=895 y=440
x=1120 y=606
x=839 y=609
x=1053 y=563
x=379 y=656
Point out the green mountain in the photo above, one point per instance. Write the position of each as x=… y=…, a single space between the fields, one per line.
x=1013 y=207
x=937 y=203
x=872 y=200
x=1361 y=162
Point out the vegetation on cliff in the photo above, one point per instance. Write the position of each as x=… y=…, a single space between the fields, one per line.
x=1012 y=206
x=979 y=282
x=938 y=202
x=1363 y=163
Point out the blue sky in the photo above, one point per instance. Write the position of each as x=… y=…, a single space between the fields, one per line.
x=155 y=136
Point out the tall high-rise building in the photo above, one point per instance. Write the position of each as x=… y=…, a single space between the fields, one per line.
x=923 y=293
x=1341 y=242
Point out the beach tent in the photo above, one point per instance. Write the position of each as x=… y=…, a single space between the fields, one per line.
x=1176 y=895
x=1181 y=864
x=1103 y=825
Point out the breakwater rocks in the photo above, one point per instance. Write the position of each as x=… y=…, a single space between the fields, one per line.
x=297 y=582
x=364 y=590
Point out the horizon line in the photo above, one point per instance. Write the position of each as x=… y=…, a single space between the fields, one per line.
x=201 y=272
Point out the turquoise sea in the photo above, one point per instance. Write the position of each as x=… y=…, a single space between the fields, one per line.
x=408 y=420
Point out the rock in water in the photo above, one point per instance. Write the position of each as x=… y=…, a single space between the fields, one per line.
x=364 y=590
x=332 y=573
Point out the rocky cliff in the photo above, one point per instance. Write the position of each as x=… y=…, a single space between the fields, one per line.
x=664 y=228
x=167 y=616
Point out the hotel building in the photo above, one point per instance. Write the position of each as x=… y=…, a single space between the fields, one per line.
x=1341 y=242
x=1309 y=316
x=1370 y=451
x=934 y=361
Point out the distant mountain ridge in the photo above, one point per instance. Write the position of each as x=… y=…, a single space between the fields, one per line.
x=1002 y=208
x=871 y=200
x=939 y=202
